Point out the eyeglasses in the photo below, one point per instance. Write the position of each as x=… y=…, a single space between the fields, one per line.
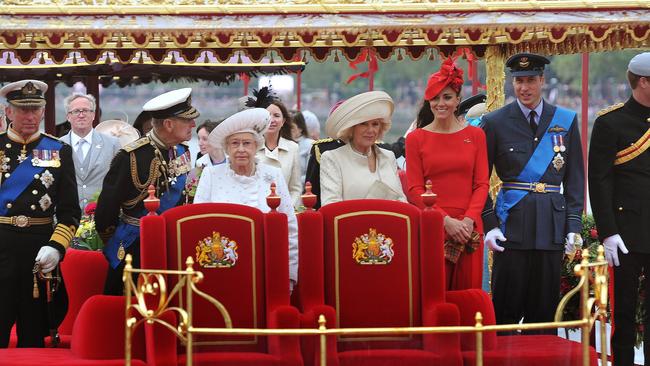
x=79 y=112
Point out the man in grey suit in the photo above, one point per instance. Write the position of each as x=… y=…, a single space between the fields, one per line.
x=92 y=151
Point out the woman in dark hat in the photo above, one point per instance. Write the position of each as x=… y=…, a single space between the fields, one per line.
x=453 y=157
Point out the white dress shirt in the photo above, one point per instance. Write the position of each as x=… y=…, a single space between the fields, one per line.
x=219 y=183
x=75 y=140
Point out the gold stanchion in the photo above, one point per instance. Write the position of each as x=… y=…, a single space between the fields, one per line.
x=323 y=340
x=479 y=338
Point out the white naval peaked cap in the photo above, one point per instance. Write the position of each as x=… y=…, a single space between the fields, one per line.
x=175 y=103
x=25 y=93
x=254 y=120
x=640 y=64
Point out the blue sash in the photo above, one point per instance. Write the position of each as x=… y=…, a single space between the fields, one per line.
x=535 y=167
x=23 y=175
x=126 y=234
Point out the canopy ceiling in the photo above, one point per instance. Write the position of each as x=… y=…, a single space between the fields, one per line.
x=59 y=29
x=108 y=70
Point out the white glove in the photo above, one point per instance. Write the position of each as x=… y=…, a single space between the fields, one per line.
x=612 y=245
x=491 y=239
x=48 y=258
x=573 y=241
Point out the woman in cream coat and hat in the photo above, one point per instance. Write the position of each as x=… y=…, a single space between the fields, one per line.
x=360 y=169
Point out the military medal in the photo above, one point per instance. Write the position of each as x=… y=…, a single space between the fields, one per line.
x=121 y=253
x=46 y=158
x=4 y=166
x=556 y=143
x=23 y=154
x=558 y=162
x=561 y=143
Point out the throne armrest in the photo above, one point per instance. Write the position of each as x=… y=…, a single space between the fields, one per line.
x=288 y=347
x=469 y=302
x=310 y=344
x=445 y=344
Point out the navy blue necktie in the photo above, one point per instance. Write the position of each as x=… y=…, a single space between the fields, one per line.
x=531 y=120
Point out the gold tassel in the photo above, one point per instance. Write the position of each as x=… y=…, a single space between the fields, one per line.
x=304 y=57
x=399 y=55
x=239 y=61
x=41 y=59
x=431 y=55
x=272 y=60
x=141 y=59
x=35 y=293
x=74 y=58
x=8 y=57
x=173 y=59
x=336 y=56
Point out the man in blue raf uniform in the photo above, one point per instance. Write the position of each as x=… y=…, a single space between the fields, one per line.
x=535 y=148
x=162 y=159
x=37 y=190
x=619 y=178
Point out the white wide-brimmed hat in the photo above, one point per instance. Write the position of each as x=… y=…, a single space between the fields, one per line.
x=358 y=109
x=255 y=121
x=118 y=129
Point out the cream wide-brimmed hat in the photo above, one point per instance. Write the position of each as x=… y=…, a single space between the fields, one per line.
x=118 y=129
x=255 y=121
x=358 y=109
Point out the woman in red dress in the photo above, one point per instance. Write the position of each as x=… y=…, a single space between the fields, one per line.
x=454 y=157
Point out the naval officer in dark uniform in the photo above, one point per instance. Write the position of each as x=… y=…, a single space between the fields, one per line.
x=619 y=178
x=535 y=148
x=39 y=213
x=162 y=159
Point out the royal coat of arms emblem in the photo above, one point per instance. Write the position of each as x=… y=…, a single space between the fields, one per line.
x=216 y=251
x=372 y=248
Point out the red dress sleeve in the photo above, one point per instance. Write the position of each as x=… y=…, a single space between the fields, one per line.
x=480 y=180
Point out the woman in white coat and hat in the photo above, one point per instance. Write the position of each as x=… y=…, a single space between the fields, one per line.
x=360 y=169
x=242 y=179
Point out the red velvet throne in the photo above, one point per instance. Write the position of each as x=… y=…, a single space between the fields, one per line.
x=84 y=272
x=375 y=263
x=243 y=255
x=530 y=350
x=97 y=339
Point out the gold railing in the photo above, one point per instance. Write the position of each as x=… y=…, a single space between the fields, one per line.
x=152 y=283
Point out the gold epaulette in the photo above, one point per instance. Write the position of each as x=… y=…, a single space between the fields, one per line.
x=322 y=140
x=609 y=109
x=136 y=144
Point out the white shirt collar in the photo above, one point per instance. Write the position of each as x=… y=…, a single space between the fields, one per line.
x=74 y=138
x=526 y=111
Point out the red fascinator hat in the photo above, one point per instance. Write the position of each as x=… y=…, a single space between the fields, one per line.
x=448 y=75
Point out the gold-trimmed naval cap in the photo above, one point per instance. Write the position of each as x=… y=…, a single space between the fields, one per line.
x=527 y=64
x=25 y=93
x=176 y=103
